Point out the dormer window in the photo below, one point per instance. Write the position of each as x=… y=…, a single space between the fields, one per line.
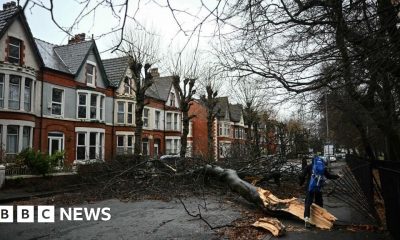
x=91 y=74
x=128 y=86
x=14 y=50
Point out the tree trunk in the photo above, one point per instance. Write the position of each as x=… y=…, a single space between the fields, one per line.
x=139 y=127
x=185 y=125
x=210 y=137
x=320 y=217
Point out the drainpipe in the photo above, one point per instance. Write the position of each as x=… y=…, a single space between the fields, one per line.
x=41 y=112
x=165 y=144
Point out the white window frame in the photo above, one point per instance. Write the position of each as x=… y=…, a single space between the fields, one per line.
x=172 y=99
x=57 y=103
x=119 y=112
x=99 y=143
x=130 y=113
x=176 y=125
x=93 y=75
x=99 y=115
x=146 y=119
x=157 y=119
x=169 y=121
x=4 y=123
x=19 y=92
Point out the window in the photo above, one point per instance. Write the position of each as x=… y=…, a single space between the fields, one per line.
x=120 y=145
x=129 y=144
x=128 y=86
x=102 y=99
x=124 y=144
x=93 y=106
x=28 y=94
x=81 y=146
x=14 y=50
x=169 y=121
x=26 y=137
x=176 y=146
x=168 y=146
x=14 y=92
x=1 y=137
x=220 y=126
x=82 y=105
x=55 y=142
x=57 y=101
x=1 y=90
x=90 y=74
x=145 y=117
x=130 y=113
x=90 y=106
x=172 y=99
x=157 y=115
x=121 y=112
x=175 y=121
x=12 y=140
x=90 y=145
x=145 y=146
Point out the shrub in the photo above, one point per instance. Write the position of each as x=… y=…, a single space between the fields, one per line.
x=56 y=158
x=36 y=161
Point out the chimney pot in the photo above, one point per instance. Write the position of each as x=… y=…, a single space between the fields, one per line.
x=9 y=5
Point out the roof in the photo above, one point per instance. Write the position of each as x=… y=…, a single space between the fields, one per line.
x=115 y=69
x=235 y=111
x=222 y=106
x=72 y=55
x=50 y=57
x=6 y=15
x=160 y=88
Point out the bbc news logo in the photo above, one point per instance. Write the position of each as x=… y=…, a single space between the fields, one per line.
x=46 y=214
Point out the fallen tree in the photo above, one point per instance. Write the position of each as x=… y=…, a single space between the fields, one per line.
x=320 y=217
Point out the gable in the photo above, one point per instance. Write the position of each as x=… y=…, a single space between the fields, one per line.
x=92 y=59
x=17 y=30
x=172 y=93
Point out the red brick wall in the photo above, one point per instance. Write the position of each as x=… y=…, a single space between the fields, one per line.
x=68 y=128
x=199 y=129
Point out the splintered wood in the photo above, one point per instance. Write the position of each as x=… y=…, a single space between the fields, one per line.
x=271 y=224
x=320 y=217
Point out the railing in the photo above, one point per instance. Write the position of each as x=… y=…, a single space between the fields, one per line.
x=389 y=174
x=14 y=169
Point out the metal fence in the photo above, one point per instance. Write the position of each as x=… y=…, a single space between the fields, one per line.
x=389 y=174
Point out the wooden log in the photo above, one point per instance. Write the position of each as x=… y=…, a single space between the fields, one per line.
x=273 y=225
x=320 y=217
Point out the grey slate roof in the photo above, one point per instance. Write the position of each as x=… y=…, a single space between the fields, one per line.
x=50 y=57
x=115 y=69
x=6 y=15
x=160 y=88
x=73 y=55
x=222 y=106
x=235 y=111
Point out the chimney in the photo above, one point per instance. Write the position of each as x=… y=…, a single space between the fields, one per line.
x=154 y=72
x=77 y=38
x=9 y=5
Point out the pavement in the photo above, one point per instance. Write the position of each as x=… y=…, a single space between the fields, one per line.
x=153 y=219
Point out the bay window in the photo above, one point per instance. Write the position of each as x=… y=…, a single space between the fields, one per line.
x=26 y=137
x=125 y=144
x=176 y=121
x=90 y=144
x=90 y=106
x=120 y=145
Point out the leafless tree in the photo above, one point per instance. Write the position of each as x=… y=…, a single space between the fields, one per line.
x=185 y=70
x=142 y=49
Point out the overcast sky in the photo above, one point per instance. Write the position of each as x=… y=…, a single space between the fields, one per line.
x=153 y=14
